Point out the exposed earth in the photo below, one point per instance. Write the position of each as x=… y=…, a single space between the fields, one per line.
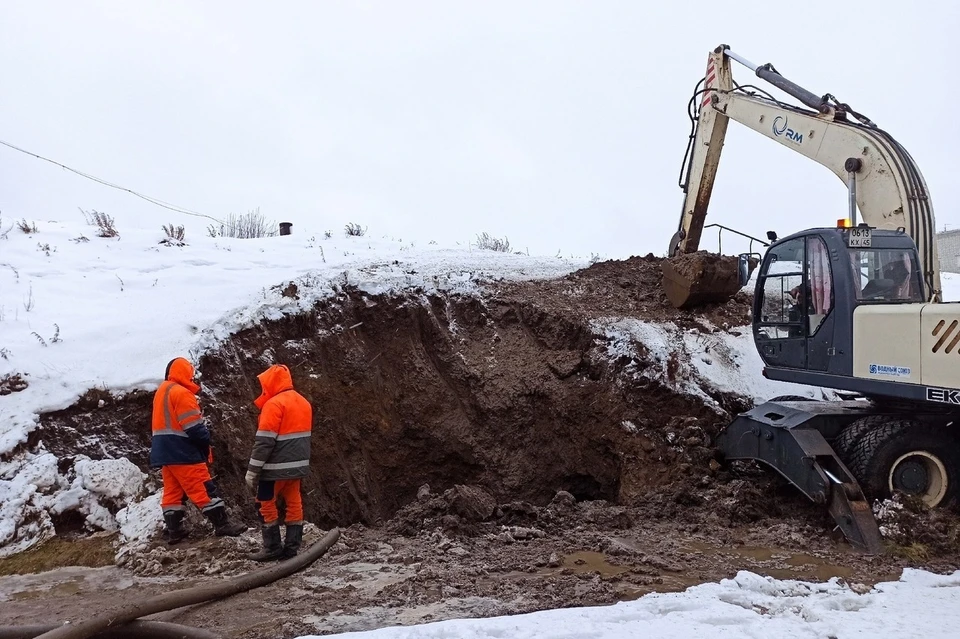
x=482 y=455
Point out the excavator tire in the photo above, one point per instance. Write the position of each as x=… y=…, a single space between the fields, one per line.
x=849 y=436
x=919 y=459
x=694 y=279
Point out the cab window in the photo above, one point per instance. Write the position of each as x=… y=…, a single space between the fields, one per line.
x=818 y=293
x=779 y=311
x=886 y=275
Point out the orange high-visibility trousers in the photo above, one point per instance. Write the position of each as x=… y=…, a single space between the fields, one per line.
x=289 y=491
x=183 y=481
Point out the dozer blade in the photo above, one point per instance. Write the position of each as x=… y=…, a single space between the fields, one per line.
x=693 y=279
x=789 y=441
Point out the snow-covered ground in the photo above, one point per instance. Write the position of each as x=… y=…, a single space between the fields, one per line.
x=79 y=311
x=920 y=604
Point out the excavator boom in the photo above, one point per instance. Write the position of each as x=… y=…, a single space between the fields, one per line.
x=883 y=181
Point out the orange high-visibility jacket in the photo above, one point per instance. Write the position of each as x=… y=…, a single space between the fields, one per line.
x=281 y=448
x=179 y=434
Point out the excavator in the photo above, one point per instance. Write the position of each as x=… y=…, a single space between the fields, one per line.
x=854 y=306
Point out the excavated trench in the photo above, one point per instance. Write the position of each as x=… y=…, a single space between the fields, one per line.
x=511 y=390
x=483 y=455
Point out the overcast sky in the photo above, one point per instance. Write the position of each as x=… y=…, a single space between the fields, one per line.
x=561 y=125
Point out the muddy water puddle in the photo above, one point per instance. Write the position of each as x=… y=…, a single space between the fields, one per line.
x=691 y=563
x=772 y=562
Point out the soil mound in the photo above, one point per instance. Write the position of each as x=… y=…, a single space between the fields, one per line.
x=510 y=390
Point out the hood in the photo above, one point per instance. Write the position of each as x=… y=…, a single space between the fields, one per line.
x=181 y=371
x=275 y=379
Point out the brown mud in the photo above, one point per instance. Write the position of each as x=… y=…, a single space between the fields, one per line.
x=482 y=455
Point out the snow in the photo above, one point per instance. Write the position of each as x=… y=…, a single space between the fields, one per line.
x=703 y=362
x=32 y=491
x=139 y=521
x=748 y=605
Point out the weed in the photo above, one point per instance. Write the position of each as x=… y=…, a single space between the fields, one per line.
x=103 y=222
x=246 y=226
x=4 y=234
x=354 y=230
x=174 y=235
x=16 y=273
x=27 y=227
x=487 y=242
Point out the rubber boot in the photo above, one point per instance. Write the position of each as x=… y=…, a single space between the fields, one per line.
x=272 y=544
x=291 y=545
x=222 y=527
x=175 y=532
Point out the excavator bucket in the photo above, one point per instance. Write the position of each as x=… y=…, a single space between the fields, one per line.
x=694 y=279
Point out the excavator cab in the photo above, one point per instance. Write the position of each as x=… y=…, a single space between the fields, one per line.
x=810 y=284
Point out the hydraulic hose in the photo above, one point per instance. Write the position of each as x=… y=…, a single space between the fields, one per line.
x=123 y=615
x=133 y=630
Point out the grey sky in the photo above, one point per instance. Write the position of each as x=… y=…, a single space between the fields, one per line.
x=560 y=124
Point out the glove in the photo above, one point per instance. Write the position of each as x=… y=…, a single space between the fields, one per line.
x=210 y=455
x=251 y=480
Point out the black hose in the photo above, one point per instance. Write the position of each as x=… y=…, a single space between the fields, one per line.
x=122 y=615
x=133 y=630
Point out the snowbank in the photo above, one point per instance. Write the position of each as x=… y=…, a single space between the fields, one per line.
x=747 y=605
x=33 y=492
x=695 y=362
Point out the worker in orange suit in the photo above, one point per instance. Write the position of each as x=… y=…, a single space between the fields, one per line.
x=180 y=447
x=279 y=461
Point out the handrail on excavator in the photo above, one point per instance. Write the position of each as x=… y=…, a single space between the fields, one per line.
x=735 y=231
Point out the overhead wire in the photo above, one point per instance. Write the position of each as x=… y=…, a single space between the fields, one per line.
x=152 y=200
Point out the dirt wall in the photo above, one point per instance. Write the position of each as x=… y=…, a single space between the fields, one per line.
x=510 y=390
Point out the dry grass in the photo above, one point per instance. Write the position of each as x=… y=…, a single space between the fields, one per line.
x=246 y=226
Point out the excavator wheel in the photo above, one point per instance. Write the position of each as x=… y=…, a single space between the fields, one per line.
x=694 y=279
x=903 y=455
x=849 y=436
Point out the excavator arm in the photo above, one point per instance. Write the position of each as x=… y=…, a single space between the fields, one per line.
x=882 y=179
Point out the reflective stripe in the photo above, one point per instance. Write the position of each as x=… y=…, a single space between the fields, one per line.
x=168 y=509
x=190 y=413
x=285 y=465
x=193 y=423
x=213 y=504
x=269 y=434
x=257 y=463
x=167 y=422
x=293 y=436
x=170 y=431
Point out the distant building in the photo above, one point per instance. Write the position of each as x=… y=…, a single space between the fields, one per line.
x=948 y=245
